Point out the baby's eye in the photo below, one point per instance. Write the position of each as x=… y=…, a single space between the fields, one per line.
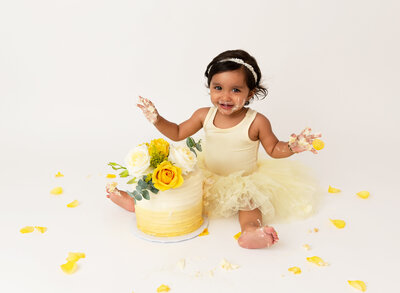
x=236 y=90
x=218 y=88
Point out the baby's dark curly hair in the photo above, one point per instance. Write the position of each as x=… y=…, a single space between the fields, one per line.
x=216 y=66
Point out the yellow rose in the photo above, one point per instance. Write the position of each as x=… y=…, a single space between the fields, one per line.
x=167 y=176
x=160 y=146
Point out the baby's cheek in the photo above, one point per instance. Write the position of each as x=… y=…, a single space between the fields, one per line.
x=239 y=104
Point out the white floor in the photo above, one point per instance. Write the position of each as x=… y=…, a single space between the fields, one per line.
x=117 y=261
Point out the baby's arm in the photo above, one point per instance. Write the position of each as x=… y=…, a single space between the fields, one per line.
x=280 y=149
x=275 y=148
x=172 y=130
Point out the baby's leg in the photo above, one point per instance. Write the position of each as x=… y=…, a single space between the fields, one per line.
x=254 y=235
x=122 y=199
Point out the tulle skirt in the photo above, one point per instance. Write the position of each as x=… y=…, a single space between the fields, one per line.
x=281 y=189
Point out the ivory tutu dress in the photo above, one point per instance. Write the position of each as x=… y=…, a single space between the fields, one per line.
x=236 y=180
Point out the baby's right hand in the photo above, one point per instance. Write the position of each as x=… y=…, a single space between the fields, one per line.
x=149 y=111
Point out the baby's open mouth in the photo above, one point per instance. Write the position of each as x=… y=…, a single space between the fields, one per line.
x=226 y=106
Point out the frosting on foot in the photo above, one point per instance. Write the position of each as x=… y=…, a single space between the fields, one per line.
x=258 y=238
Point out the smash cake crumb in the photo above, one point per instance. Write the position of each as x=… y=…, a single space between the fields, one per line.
x=227 y=266
x=111 y=187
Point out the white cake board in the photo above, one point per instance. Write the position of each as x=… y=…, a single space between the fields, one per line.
x=180 y=238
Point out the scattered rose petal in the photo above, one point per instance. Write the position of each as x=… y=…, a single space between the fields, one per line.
x=59 y=175
x=27 y=229
x=236 y=236
x=316 y=229
x=359 y=285
x=41 y=229
x=73 y=204
x=338 y=223
x=69 y=267
x=227 y=266
x=75 y=256
x=317 y=260
x=318 y=144
x=333 y=189
x=205 y=232
x=306 y=247
x=111 y=176
x=163 y=288
x=56 y=190
x=363 y=194
x=295 y=270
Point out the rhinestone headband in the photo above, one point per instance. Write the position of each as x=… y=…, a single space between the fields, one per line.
x=241 y=62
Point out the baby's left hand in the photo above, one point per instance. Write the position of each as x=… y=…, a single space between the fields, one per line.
x=303 y=141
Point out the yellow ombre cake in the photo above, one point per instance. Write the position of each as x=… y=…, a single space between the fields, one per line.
x=173 y=212
x=167 y=187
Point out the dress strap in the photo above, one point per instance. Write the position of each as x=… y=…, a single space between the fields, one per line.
x=210 y=116
x=249 y=118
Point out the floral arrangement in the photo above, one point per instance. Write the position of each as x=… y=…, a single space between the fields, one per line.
x=158 y=165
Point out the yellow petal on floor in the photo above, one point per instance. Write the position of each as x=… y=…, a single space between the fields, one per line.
x=27 y=229
x=59 y=175
x=41 y=229
x=359 y=285
x=163 y=288
x=338 y=223
x=205 y=232
x=75 y=256
x=317 y=260
x=306 y=247
x=236 y=236
x=316 y=229
x=363 y=194
x=56 y=190
x=295 y=270
x=73 y=204
x=318 y=144
x=333 y=189
x=69 y=267
x=111 y=176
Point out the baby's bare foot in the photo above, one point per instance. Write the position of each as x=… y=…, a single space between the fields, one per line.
x=122 y=199
x=258 y=237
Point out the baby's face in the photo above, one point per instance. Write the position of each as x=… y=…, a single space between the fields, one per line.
x=229 y=91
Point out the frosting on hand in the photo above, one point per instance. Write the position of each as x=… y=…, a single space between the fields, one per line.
x=303 y=141
x=148 y=109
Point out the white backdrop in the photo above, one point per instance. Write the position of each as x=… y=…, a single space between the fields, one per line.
x=70 y=73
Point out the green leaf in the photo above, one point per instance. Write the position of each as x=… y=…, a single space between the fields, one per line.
x=198 y=146
x=137 y=195
x=139 y=188
x=124 y=173
x=115 y=166
x=133 y=180
x=153 y=189
x=193 y=151
x=142 y=184
x=146 y=194
x=190 y=142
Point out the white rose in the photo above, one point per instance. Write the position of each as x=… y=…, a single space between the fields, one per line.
x=138 y=161
x=182 y=157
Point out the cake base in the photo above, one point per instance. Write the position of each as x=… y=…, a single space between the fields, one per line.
x=180 y=238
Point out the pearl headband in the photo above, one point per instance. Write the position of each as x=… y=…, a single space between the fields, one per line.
x=241 y=62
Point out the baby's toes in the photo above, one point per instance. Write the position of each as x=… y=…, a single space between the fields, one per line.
x=271 y=231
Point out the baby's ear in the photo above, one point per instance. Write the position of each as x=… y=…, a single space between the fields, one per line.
x=251 y=94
